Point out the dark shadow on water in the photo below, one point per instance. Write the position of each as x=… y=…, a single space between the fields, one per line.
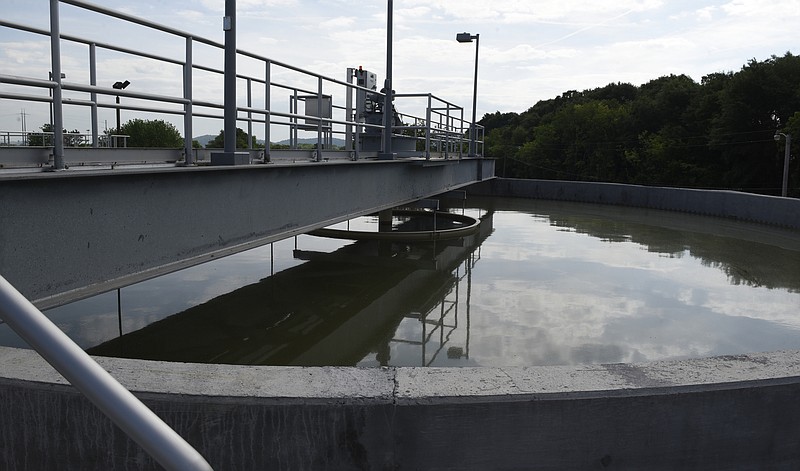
x=335 y=309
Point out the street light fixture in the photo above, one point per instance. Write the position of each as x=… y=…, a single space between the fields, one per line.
x=473 y=131
x=787 y=153
x=119 y=86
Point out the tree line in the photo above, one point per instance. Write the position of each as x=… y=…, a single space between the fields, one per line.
x=671 y=131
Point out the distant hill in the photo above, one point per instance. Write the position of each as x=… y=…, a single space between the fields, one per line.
x=206 y=138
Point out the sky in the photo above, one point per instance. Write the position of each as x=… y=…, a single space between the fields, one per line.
x=528 y=50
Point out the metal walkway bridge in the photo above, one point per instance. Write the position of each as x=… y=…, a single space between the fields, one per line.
x=83 y=213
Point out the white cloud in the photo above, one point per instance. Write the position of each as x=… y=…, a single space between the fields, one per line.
x=338 y=22
x=528 y=50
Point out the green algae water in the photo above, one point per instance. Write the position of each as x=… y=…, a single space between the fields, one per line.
x=540 y=283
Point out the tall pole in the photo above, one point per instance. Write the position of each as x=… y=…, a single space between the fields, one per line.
x=55 y=58
x=473 y=148
x=187 y=107
x=787 y=153
x=229 y=26
x=388 y=116
x=117 y=131
x=93 y=95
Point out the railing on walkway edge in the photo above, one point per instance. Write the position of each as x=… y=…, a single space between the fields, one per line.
x=140 y=423
x=440 y=129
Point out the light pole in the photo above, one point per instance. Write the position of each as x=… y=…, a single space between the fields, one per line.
x=388 y=114
x=119 y=86
x=473 y=131
x=787 y=153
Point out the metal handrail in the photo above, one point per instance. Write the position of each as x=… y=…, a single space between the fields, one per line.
x=187 y=105
x=116 y=402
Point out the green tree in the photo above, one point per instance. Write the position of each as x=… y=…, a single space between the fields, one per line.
x=242 y=141
x=670 y=131
x=756 y=101
x=151 y=133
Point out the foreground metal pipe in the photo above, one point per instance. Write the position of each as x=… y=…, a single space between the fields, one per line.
x=116 y=402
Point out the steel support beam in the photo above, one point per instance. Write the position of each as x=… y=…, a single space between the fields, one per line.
x=120 y=226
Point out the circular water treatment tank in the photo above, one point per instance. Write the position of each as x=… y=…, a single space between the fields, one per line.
x=735 y=411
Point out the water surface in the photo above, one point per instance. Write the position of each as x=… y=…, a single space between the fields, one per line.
x=542 y=283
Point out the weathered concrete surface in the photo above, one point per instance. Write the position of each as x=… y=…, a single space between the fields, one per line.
x=67 y=235
x=735 y=412
x=729 y=204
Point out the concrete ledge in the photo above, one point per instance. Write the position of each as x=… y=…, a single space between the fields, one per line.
x=734 y=412
x=729 y=204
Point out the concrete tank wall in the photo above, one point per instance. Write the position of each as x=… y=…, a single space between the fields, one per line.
x=772 y=210
x=736 y=412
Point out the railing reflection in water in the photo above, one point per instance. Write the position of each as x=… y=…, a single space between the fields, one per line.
x=338 y=308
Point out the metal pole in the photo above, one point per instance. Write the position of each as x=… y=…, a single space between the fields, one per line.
x=388 y=116
x=348 y=134
x=473 y=130
x=55 y=59
x=319 y=119
x=116 y=402
x=428 y=129
x=117 y=131
x=187 y=108
x=93 y=95
x=267 y=107
x=787 y=153
x=50 y=94
x=250 y=143
x=229 y=26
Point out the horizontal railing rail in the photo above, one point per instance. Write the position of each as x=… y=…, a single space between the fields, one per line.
x=266 y=86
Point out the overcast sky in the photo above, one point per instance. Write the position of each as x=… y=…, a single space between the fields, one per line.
x=529 y=50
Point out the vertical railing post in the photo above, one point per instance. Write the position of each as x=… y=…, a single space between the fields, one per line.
x=428 y=128
x=188 y=68
x=58 y=112
x=267 y=107
x=229 y=26
x=319 y=119
x=293 y=110
x=250 y=143
x=348 y=130
x=461 y=136
x=93 y=95
x=449 y=128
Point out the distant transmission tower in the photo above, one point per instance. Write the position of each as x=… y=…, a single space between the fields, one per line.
x=22 y=117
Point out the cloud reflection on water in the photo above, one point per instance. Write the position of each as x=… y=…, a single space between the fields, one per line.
x=546 y=294
x=554 y=283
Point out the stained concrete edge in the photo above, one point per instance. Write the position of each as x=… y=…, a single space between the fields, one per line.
x=399 y=385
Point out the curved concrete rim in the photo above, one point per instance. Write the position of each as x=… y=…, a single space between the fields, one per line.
x=429 y=384
x=728 y=412
x=724 y=412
